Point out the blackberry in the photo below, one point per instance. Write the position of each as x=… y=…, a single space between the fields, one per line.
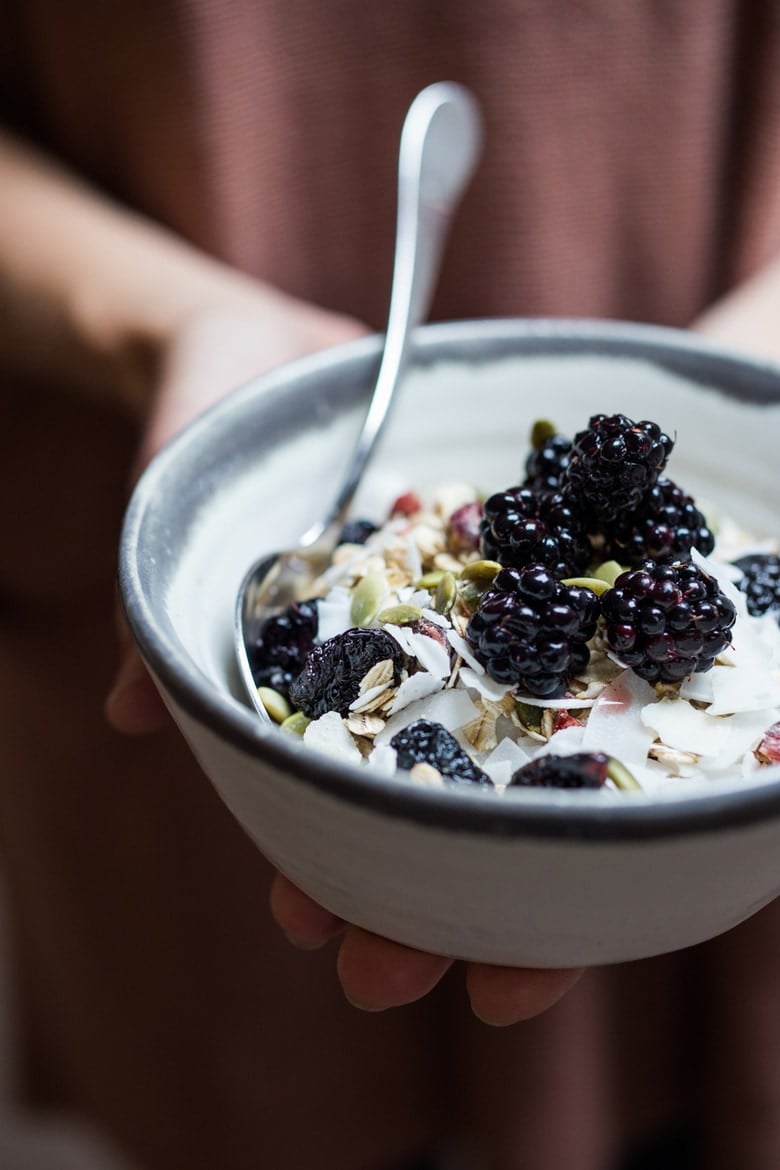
x=760 y=583
x=667 y=621
x=580 y=770
x=666 y=524
x=279 y=650
x=357 y=531
x=531 y=631
x=546 y=464
x=521 y=527
x=425 y=742
x=331 y=676
x=614 y=463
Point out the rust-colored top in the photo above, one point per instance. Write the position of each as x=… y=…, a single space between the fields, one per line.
x=632 y=165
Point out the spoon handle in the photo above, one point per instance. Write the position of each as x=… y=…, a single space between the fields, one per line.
x=440 y=145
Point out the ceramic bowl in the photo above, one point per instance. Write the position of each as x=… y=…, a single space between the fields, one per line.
x=545 y=878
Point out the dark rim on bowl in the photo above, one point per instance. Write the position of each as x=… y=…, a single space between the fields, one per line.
x=527 y=814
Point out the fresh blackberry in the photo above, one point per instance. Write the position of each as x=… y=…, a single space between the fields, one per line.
x=760 y=583
x=425 y=742
x=546 y=464
x=357 y=531
x=278 y=652
x=531 y=631
x=521 y=527
x=580 y=770
x=331 y=676
x=614 y=463
x=667 y=620
x=666 y=524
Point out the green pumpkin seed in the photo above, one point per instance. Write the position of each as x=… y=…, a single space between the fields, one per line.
x=430 y=580
x=446 y=594
x=400 y=615
x=609 y=571
x=367 y=596
x=480 y=572
x=275 y=704
x=541 y=431
x=296 y=723
x=596 y=584
x=621 y=777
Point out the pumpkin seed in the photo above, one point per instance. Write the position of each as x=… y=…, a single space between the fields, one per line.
x=296 y=723
x=400 y=615
x=275 y=704
x=446 y=594
x=367 y=596
x=481 y=572
x=621 y=777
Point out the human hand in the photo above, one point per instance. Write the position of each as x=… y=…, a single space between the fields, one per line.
x=213 y=351
x=245 y=333
x=376 y=973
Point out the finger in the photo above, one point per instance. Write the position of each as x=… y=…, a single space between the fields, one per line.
x=303 y=922
x=376 y=973
x=506 y=995
x=133 y=705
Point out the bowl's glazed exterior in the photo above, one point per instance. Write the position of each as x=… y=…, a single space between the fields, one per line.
x=539 y=878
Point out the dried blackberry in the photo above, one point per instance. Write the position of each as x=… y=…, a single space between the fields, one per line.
x=278 y=653
x=331 y=676
x=667 y=621
x=521 y=527
x=531 y=631
x=426 y=742
x=580 y=770
x=666 y=524
x=760 y=583
x=546 y=464
x=357 y=531
x=614 y=463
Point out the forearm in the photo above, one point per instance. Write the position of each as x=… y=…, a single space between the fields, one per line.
x=89 y=291
x=748 y=318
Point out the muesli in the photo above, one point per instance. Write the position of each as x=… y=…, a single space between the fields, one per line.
x=586 y=628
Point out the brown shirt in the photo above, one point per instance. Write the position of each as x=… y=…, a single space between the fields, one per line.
x=632 y=165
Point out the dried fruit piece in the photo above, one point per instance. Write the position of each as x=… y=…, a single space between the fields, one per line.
x=768 y=751
x=426 y=742
x=334 y=669
x=580 y=770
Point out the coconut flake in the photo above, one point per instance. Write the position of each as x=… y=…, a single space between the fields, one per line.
x=415 y=687
x=486 y=686
x=462 y=647
x=614 y=725
x=451 y=708
x=329 y=734
x=431 y=655
x=333 y=613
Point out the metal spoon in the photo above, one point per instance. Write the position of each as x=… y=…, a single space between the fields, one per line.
x=440 y=145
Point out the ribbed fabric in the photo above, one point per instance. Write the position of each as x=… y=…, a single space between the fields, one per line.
x=632 y=165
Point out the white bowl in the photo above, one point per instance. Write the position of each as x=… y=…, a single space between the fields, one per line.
x=541 y=878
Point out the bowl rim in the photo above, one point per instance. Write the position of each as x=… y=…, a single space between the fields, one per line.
x=601 y=816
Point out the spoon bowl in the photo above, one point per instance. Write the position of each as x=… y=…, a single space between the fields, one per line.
x=440 y=145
